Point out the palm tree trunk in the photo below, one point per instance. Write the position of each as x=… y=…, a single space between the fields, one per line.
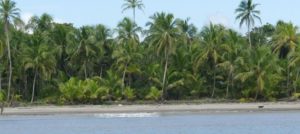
x=101 y=71
x=0 y=81
x=256 y=94
x=295 y=85
x=134 y=15
x=249 y=36
x=288 y=80
x=33 y=86
x=9 y=59
x=85 y=69
x=123 y=79
x=1 y=107
x=214 y=84
x=228 y=83
x=164 y=95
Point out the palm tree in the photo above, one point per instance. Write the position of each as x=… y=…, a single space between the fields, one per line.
x=212 y=38
x=188 y=32
x=39 y=58
x=41 y=24
x=164 y=35
x=285 y=41
x=127 y=51
x=84 y=49
x=231 y=55
x=9 y=13
x=133 y=4
x=247 y=13
x=260 y=69
x=1 y=64
x=103 y=40
x=295 y=63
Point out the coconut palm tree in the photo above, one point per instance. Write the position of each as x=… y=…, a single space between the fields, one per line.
x=247 y=14
x=164 y=34
x=127 y=49
x=230 y=56
x=260 y=69
x=187 y=30
x=39 y=58
x=212 y=39
x=41 y=23
x=285 y=41
x=285 y=38
x=9 y=13
x=295 y=63
x=133 y=4
x=84 y=49
x=1 y=64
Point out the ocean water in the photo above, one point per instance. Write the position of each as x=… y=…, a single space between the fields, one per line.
x=155 y=123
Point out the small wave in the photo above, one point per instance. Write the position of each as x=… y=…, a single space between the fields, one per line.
x=127 y=115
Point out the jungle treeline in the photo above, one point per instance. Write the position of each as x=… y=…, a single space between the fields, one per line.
x=167 y=59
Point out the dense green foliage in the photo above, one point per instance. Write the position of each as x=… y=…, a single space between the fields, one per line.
x=169 y=59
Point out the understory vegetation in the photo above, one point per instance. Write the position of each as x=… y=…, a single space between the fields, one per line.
x=168 y=59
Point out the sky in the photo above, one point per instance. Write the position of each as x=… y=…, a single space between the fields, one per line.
x=200 y=12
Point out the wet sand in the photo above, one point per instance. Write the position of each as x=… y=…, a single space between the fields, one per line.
x=201 y=108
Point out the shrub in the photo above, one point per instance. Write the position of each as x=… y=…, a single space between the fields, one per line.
x=2 y=96
x=154 y=94
x=129 y=94
x=296 y=96
x=88 y=90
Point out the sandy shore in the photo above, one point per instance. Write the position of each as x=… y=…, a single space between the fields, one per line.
x=205 y=108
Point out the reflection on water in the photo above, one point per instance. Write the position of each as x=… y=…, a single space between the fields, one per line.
x=155 y=123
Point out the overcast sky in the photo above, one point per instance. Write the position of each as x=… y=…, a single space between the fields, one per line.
x=201 y=12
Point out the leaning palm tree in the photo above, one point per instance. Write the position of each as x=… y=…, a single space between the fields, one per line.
x=9 y=14
x=164 y=34
x=247 y=13
x=133 y=4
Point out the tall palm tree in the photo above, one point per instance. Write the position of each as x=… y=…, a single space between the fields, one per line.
x=285 y=41
x=1 y=64
x=188 y=31
x=285 y=38
x=39 y=58
x=164 y=35
x=84 y=49
x=212 y=38
x=9 y=13
x=128 y=41
x=247 y=14
x=133 y=4
x=42 y=23
x=295 y=63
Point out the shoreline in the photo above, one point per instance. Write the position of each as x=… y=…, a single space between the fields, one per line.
x=159 y=108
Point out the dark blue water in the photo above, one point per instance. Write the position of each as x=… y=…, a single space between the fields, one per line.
x=184 y=123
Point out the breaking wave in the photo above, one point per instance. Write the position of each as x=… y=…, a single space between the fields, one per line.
x=127 y=115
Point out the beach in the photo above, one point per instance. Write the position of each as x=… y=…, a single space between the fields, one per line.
x=160 y=108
